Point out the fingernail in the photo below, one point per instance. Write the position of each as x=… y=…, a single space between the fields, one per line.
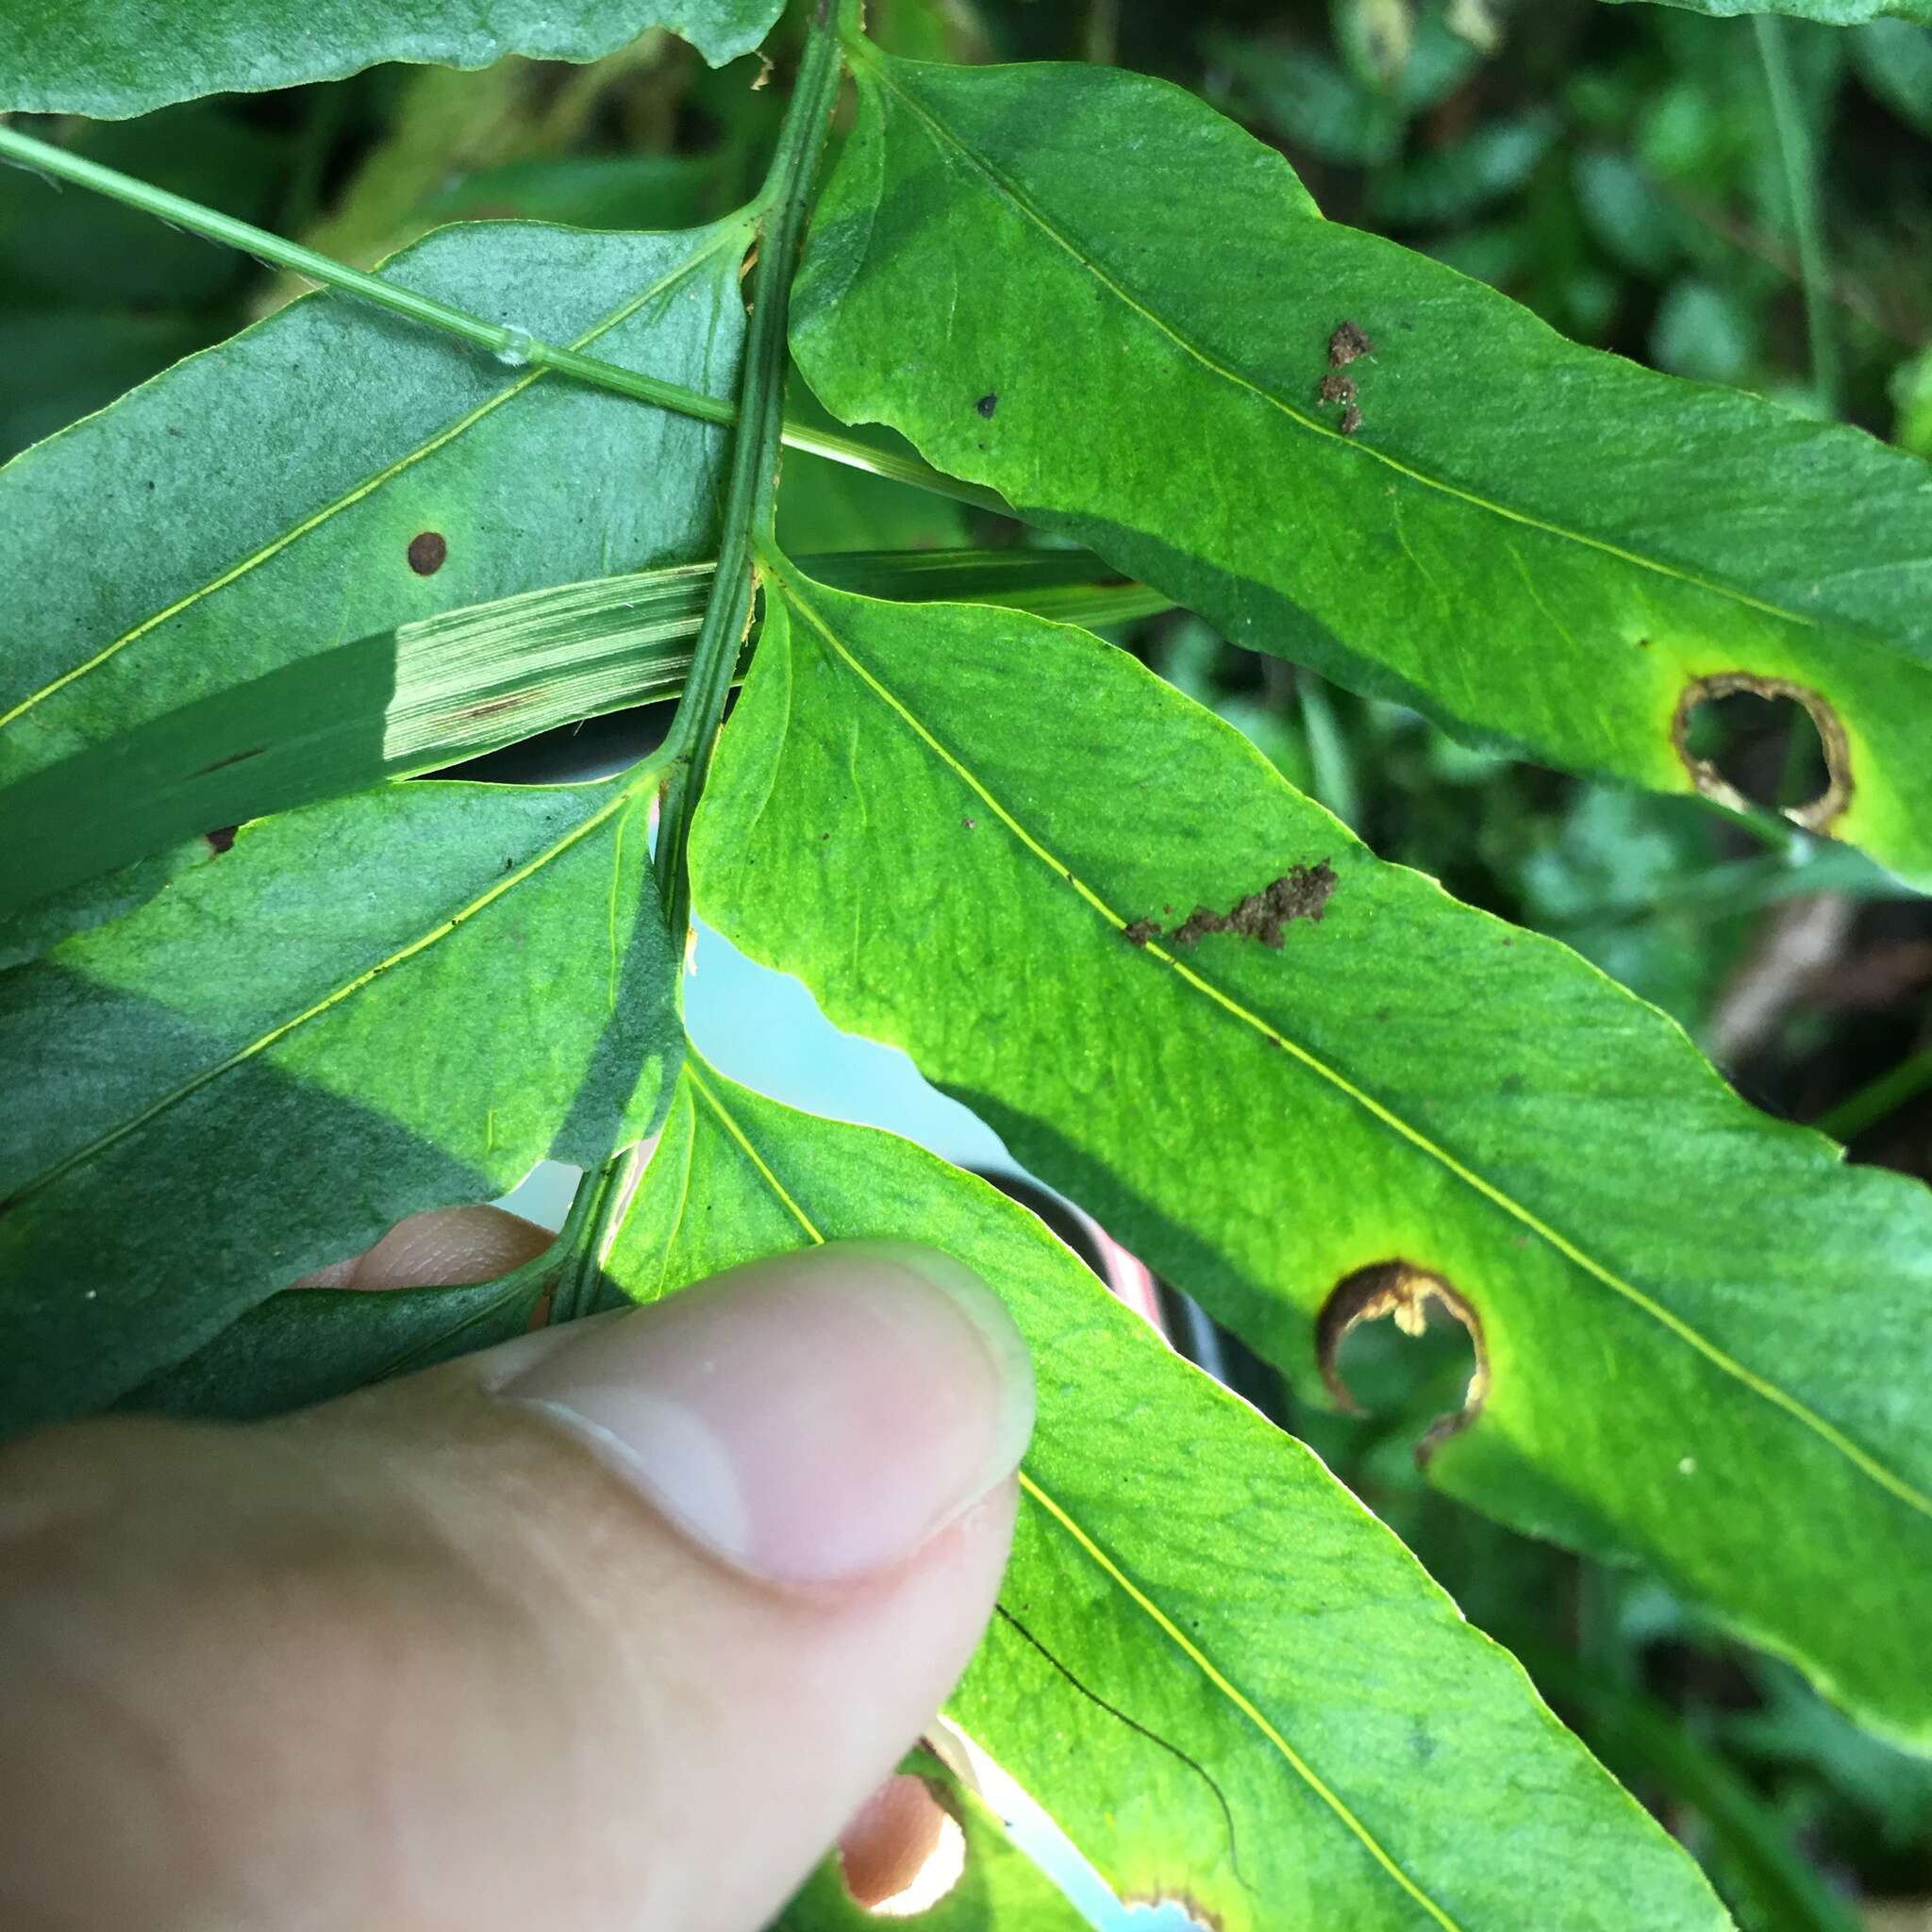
x=811 y=1419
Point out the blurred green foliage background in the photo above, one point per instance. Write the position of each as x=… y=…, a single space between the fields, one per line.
x=1742 y=202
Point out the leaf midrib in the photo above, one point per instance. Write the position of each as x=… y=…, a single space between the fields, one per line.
x=347 y=988
x=1092 y=1550
x=1314 y=426
x=1861 y=1459
x=368 y=486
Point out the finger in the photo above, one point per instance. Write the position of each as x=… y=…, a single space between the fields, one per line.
x=885 y=1848
x=614 y=1626
x=443 y=1248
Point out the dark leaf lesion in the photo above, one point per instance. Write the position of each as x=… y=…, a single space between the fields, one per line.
x=1301 y=892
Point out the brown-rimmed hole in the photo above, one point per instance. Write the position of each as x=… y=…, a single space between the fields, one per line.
x=1765 y=741
x=904 y=1852
x=1426 y=1309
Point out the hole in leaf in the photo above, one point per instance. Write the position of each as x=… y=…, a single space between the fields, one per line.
x=904 y=1852
x=1424 y=1308
x=1765 y=741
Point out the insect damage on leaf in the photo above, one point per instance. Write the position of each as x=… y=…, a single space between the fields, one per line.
x=1301 y=892
x=988 y=403
x=1403 y=1290
x=1817 y=814
x=1348 y=342
x=1345 y=345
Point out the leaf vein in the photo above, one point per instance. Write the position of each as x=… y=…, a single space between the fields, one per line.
x=1862 y=1459
x=1031 y=1485
x=1012 y=192
x=329 y=1002
x=349 y=498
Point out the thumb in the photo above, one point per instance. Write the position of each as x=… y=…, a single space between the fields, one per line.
x=614 y=1626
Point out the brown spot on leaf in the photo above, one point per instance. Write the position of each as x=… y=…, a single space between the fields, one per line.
x=495 y=706
x=1403 y=1290
x=221 y=838
x=1350 y=420
x=1140 y=932
x=1820 y=813
x=988 y=403
x=1349 y=342
x=427 y=550
x=1301 y=892
x=1337 y=387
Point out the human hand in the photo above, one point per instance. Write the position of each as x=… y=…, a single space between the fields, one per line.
x=614 y=1626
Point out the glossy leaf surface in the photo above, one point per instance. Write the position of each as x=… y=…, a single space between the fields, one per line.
x=1091 y=292
x=1701 y=1334
x=1303 y=1730
x=396 y=1002
x=115 y=58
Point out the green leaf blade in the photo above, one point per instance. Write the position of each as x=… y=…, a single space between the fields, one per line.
x=1542 y=546
x=425 y=695
x=308 y=1345
x=110 y=59
x=1670 y=1374
x=1256 y=1699
x=397 y=1002
x=331 y=473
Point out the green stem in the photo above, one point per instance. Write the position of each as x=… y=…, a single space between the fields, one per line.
x=750 y=495
x=1884 y=1096
x=752 y=491
x=1802 y=185
x=596 y=1209
x=513 y=346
